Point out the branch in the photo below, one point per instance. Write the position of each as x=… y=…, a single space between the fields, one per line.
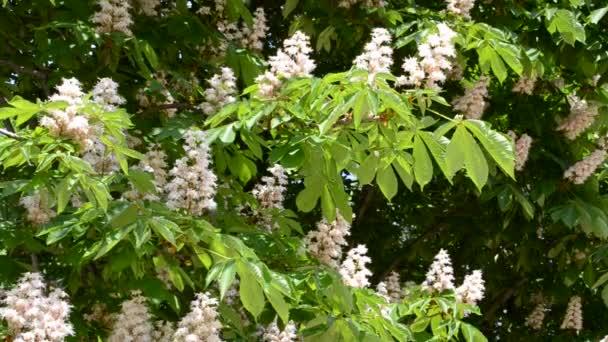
x=42 y=75
x=10 y=134
x=175 y=105
x=35 y=264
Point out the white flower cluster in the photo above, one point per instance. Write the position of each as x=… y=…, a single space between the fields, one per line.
x=440 y=276
x=377 y=55
x=133 y=322
x=574 y=315
x=270 y=193
x=155 y=162
x=100 y=158
x=353 y=269
x=69 y=123
x=100 y=314
x=525 y=85
x=365 y=3
x=536 y=317
x=581 y=117
x=461 y=7
x=605 y=339
x=473 y=103
x=163 y=332
x=113 y=16
x=272 y=333
x=291 y=61
x=579 y=172
x=250 y=37
x=326 y=242
x=105 y=93
x=221 y=91
x=201 y=324
x=37 y=207
x=472 y=289
x=194 y=184
x=32 y=315
x=522 y=149
x=148 y=7
x=435 y=56
x=393 y=287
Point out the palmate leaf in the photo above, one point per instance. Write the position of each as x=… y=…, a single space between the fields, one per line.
x=496 y=144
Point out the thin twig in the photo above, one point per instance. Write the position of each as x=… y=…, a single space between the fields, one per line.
x=10 y=134
x=35 y=264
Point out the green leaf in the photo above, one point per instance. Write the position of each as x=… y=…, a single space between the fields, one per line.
x=387 y=181
x=278 y=303
x=360 y=107
x=605 y=295
x=474 y=161
x=307 y=199
x=510 y=54
x=488 y=58
x=565 y=22
x=327 y=204
x=165 y=228
x=423 y=166
x=600 y=281
x=420 y=324
x=125 y=217
x=63 y=192
x=597 y=15
x=367 y=169
x=437 y=146
x=251 y=293
x=497 y=145
x=472 y=334
x=455 y=151
x=143 y=181
x=289 y=6
x=227 y=278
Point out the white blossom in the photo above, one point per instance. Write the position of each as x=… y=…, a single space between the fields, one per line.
x=605 y=339
x=574 y=315
x=155 y=162
x=272 y=333
x=473 y=103
x=37 y=207
x=105 y=93
x=163 y=331
x=33 y=315
x=270 y=193
x=579 y=172
x=326 y=242
x=472 y=289
x=393 y=287
x=253 y=37
x=221 y=91
x=100 y=314
x=148 y=7
x=113 y=16
x=70 y=91
x=133 y=323
x=291 y=61
x=461 y=7
x=525 y=85
x=440 y=276
x=432 y=62
x=522 y=149
x=353 y=269
x=202 y=323
x=377 y=55
x=536 y=317
x=581 y=117
x=101 y=158
x=193 y=184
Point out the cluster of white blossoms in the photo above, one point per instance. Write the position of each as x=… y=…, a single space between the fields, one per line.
x=291 y=61
x=69 y=123
x=113 y=16
x=525 y=85
x=434 y=60
x=574 y=315
x=105 y=93
x=221 y=91
x=522 y=149
x=365 y=3
x=472 y=289
x=163 y=331
x=461 y=7
x=38 y=208
x=148 y=7
x=473 y=103
x=326 y=242
x=193 y=184
x=440 y=276
x=250 y=37
x=201 y=324
x=33 y=315
x=272 y=333
x=536 y=317
x=579 y=172
x=270 y=193
x=155 y=162
x=377 y=55
x=390 y=288
x=100 y=314
x=353 y=269
x=100 y=158
x=133 y=322
x=581 y=117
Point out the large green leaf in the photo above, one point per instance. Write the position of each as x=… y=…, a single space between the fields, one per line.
x=474 y=161
x=251 y=293
x=565 y=22
x=472 y=334
x=496 y=144
x=423 y=166
x=387 y=181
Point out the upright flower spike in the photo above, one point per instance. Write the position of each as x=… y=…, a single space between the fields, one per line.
x=113 y=16
x=473 y=103
x=377 y=55
x=440 y=276
x=393 y=287
x=193 y=184
x=522 y=149
x=582 y=170
x=353 y=270
x=163 y=331
x=270 y=193
x=149 y=7
x=574 y=315
x=202 y=323
x=37 y=207
x=221 y=91
x=536 y=317
x=272 y=333
x=581 y=117
x=133 y=323
x=253 y=37
x=525 y=85
x=461 y=7
x=33 y=315
x=327 y=241
x=105 y=93
x=472 y=289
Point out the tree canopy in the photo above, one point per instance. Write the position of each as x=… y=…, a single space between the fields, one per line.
x=301 y=170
